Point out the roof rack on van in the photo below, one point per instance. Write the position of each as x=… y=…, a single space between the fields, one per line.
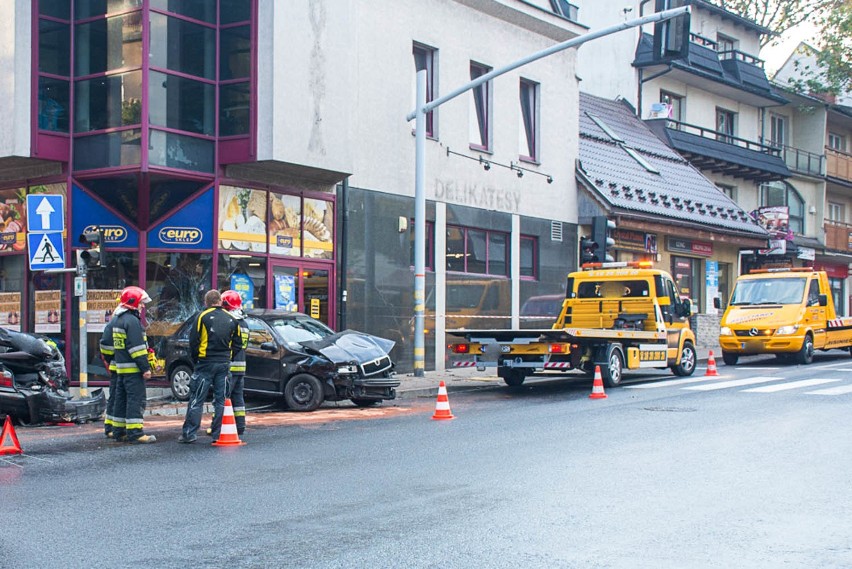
x=618 y=265
x=783 y=270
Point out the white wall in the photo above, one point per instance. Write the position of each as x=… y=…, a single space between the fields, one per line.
x=16 y=73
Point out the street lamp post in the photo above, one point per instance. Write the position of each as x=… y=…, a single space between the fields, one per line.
x=419 y=116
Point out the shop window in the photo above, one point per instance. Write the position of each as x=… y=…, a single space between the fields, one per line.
x=301 y=227
x=108 y=102
x=186 y=47
x=108 y=44
x=182 y=104
x=529 y=94
x=242 y=219
x=318 y=229
x=426 y=58
x=529 y=257
x=430 y=244
x=245 y=274
x=477 y=251
x=176 y=283
x=480 y=115
x=685 y=271
x=13 y=270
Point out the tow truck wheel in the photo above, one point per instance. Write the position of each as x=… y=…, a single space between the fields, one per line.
x=806 y=354
x=730 y=359
x=612 y=372
x=512 y=377
x=687 y=361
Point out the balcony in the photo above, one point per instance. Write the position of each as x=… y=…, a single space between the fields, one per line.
x=713 y=151
x=803 y=162
x=838 y=236
x=839 y=164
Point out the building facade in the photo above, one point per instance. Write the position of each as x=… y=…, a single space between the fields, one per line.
x=261 y=145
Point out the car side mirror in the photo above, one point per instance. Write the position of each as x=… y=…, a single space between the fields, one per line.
x=271 y=347
x=717 y=304
x=823 y=300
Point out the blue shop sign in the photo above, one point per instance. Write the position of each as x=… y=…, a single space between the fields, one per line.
x=87 y=213
x=189 y=228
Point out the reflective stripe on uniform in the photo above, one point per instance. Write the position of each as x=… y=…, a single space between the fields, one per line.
x=138 y=351
x=237 y=367
x=239 y=411
x=130 y=367
x=118 y=423
x=134 y=424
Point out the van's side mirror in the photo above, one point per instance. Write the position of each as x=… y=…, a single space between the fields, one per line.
x=823 y=300
x=717 y=304
x=686 y=307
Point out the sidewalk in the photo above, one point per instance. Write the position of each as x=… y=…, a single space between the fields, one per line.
x=160 y=402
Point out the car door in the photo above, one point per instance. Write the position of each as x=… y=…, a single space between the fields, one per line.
x=263 y=366
x=815 y=317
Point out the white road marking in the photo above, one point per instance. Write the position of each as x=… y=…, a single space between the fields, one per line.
x=733 y=383
x=749 y=368
x=669 y=383
x=789 y=385
x=821 y=366
x=839 y=390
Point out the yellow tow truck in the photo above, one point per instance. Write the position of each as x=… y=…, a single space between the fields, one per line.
x=615 y=315
x=788 y=312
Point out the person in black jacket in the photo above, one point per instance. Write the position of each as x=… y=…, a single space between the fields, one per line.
x=211 y=340
x=108 y=356
x=130 y=356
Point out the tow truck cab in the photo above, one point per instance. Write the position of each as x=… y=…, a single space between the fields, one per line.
x=788 y=312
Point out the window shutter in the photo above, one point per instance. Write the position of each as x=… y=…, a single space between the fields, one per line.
x=556 y=231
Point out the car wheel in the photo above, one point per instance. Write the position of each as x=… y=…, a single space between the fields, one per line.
x=806 y=354
x=613 y=371
x=730 y=359
x=179 y=382
x=303 y=393
x=366 y=402
x=686 y=366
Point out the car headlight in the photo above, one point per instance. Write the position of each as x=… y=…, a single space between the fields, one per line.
x=347 y=369
x=787 y=330
x=725 y=331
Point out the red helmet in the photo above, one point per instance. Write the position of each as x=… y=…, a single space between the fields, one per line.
x=133 y=297
x=231 y=300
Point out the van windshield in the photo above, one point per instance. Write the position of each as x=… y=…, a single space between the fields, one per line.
x=769 y=291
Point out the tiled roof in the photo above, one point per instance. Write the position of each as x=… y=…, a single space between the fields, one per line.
x=679 y=192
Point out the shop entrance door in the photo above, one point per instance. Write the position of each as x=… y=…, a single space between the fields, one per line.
x=307 y=287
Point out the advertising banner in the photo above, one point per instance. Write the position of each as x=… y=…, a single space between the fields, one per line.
x=101 y=304
x=10 y=310
x=242 y=219
x=285 y=293
x=48 y=310
x=245 y=287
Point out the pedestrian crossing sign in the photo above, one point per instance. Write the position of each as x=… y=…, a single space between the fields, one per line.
x=46 y=251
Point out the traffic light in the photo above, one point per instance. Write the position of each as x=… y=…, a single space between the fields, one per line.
x=95 y=256
x=603 y=236
x=588 y=251
x=671 y=37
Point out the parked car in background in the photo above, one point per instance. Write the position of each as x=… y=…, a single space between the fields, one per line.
x=300 y=359
x=541 y=311
x=34 y=383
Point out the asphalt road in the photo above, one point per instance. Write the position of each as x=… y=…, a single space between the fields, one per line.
x=658 y=474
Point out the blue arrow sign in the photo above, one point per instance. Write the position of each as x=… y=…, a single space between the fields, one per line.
x=45 y=212
x=46 y=251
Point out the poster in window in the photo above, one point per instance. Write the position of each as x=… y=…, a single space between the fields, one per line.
x=245 y=288
x=242 y=219
x=13 y=214
x=285 y=221
x=318 y=219
x=48 y=306
x=10 y=311
x=285 y=293
x=101 y=305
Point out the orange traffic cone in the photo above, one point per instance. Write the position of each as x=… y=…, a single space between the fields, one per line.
x=8 y=434
x=711 y=365
x=228 y=436
x=597 y=386
x=442 y=405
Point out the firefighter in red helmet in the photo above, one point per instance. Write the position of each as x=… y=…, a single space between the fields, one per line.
x=233 y=303
x=130 y=353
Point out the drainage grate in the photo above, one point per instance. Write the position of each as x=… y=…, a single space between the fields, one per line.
x=671 y=409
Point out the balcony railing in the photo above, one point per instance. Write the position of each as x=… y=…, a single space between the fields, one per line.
x=738 y=55
x=701 y=40
x=838 y=236
x=839 y=164
x=723 y=137
x=804 y=162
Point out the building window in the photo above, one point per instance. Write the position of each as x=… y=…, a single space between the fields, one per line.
x=783 y=194
x=836 y=212
x=108 y=44
x=54 y=66
x=675 y=105
x=837 y=142
x=426 y=58
x=725 y=44
x=477 y=251
x=234 y=73
x=430 y=244
x=529 y=257
x=185 y=47
x=564 y=9
x=181 y=103
x=108 y=102
x=529 y=120
x=777 y=130
x=480 y=115
x=725 y=125
x=730 y=191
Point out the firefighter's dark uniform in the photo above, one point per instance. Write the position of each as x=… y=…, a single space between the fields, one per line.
x=131 y=361
x=108 y=355
x=210 y=343
x=238 y=372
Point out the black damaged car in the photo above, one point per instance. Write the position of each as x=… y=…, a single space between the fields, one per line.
x=300 y=359
x=34 y=383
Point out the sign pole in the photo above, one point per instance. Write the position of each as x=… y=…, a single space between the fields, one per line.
x=84 y=348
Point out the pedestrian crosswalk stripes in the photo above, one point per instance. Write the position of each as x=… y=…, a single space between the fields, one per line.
x=839 y=390
x=666 y=383
x=790 y=385
x=733 y=383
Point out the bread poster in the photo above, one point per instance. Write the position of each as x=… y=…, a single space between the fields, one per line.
x=242 y=219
